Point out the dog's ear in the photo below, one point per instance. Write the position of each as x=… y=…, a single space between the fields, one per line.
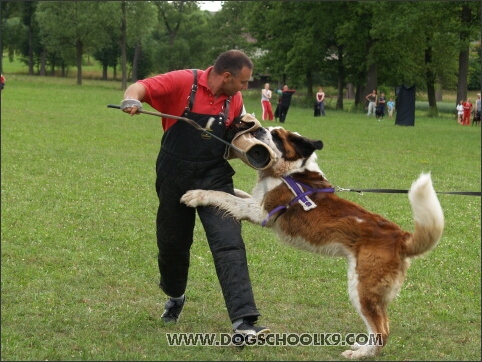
x=293 y=146
x=304 y=146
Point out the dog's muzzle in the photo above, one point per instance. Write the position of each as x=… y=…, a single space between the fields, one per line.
x=256 y=153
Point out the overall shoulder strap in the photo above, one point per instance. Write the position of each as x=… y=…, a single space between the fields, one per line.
x=193 y=89
x=227 y=102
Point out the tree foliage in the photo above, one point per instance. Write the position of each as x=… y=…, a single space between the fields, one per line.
x=349 y=45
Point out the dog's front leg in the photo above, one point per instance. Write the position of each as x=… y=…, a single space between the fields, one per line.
x=239 y=208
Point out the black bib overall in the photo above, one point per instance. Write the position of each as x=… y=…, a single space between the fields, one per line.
x=190 y=159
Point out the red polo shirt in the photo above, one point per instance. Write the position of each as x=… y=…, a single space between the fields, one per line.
x=168 y=93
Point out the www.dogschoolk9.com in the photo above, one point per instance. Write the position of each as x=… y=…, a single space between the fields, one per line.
x=273 y=339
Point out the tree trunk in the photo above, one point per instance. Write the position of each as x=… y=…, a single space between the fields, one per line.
x=30 y=51
x=104 y=71
x=359 y=95
x=43 y=63
x=309 y=85
x=372 y=80
x=430 y=80
x=123 y=40
x=350 y=92
x=135 y=62
x=79 y=47
x=341 y=80
x=463 y=55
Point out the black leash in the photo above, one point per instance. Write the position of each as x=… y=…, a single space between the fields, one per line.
x=393 y=191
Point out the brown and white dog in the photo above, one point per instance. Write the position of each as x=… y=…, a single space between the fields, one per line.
x=294 y=198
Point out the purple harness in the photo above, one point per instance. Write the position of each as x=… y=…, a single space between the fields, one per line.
x=300 y=196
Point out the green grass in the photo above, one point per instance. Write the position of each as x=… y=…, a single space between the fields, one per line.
x=79 y=267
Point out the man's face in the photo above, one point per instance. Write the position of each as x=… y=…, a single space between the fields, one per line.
x=234 y=84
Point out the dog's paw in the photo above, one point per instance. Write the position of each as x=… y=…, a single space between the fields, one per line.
x=194 y=198
x=348 y=354
x=351 y=354
x=355 y=346
x=359 y=351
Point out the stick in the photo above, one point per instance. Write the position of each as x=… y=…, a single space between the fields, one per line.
x=190 y=121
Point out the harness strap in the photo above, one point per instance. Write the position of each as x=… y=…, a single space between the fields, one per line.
x=300 y=197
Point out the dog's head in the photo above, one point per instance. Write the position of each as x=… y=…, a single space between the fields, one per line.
x=295 y=152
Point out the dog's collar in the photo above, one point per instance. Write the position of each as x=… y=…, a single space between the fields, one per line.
x=300 y=196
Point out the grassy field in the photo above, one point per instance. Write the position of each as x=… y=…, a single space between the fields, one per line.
x=79 y=265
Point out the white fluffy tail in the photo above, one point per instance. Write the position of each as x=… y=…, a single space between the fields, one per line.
x=428 y=217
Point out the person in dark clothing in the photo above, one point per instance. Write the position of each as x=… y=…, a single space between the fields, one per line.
x=189 y=159
x=284 y=102
x=380 y=113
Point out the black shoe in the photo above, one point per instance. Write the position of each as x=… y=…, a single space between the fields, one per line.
x=248 y=328
x=172 y=310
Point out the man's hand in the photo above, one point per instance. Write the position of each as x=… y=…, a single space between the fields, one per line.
x=131 y=106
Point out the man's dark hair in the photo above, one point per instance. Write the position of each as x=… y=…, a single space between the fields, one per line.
x=232 y=61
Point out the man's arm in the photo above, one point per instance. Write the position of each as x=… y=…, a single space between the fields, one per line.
x=132 y=98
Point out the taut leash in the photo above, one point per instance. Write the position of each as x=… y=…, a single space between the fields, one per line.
x=396 y=191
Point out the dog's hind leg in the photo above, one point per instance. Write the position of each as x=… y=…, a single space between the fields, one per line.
x=370 y=301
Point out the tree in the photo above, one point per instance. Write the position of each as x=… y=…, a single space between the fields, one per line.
x=299 y=41
x=468 y=26
x=183 y=35
x=11 y=28
x=28 y=19
x=141 y=20
x=72 y=25
x=419 y=45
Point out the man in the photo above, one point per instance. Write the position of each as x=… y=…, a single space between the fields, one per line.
x=189 y=159
x=284 y=102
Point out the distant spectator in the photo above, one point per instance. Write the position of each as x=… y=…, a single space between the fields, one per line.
x=381 y=106
x=467 y=111
x=2 y=81
x=372 y=99
x=320 y=103
x=284 y=102
x=266 y=103
x=390 y=107
x=476 y=119
x=460 y=112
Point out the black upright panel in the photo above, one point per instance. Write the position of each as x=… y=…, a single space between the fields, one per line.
x=405 y=105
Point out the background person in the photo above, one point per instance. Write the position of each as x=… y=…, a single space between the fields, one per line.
x=467 y=111
x=266 y=103
x=381 y=106
x=476 y=119
x=372 y=99
x=320 y=100
x=390 y=107
x=460 y=112
x=188 y=161
x=284 y=102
